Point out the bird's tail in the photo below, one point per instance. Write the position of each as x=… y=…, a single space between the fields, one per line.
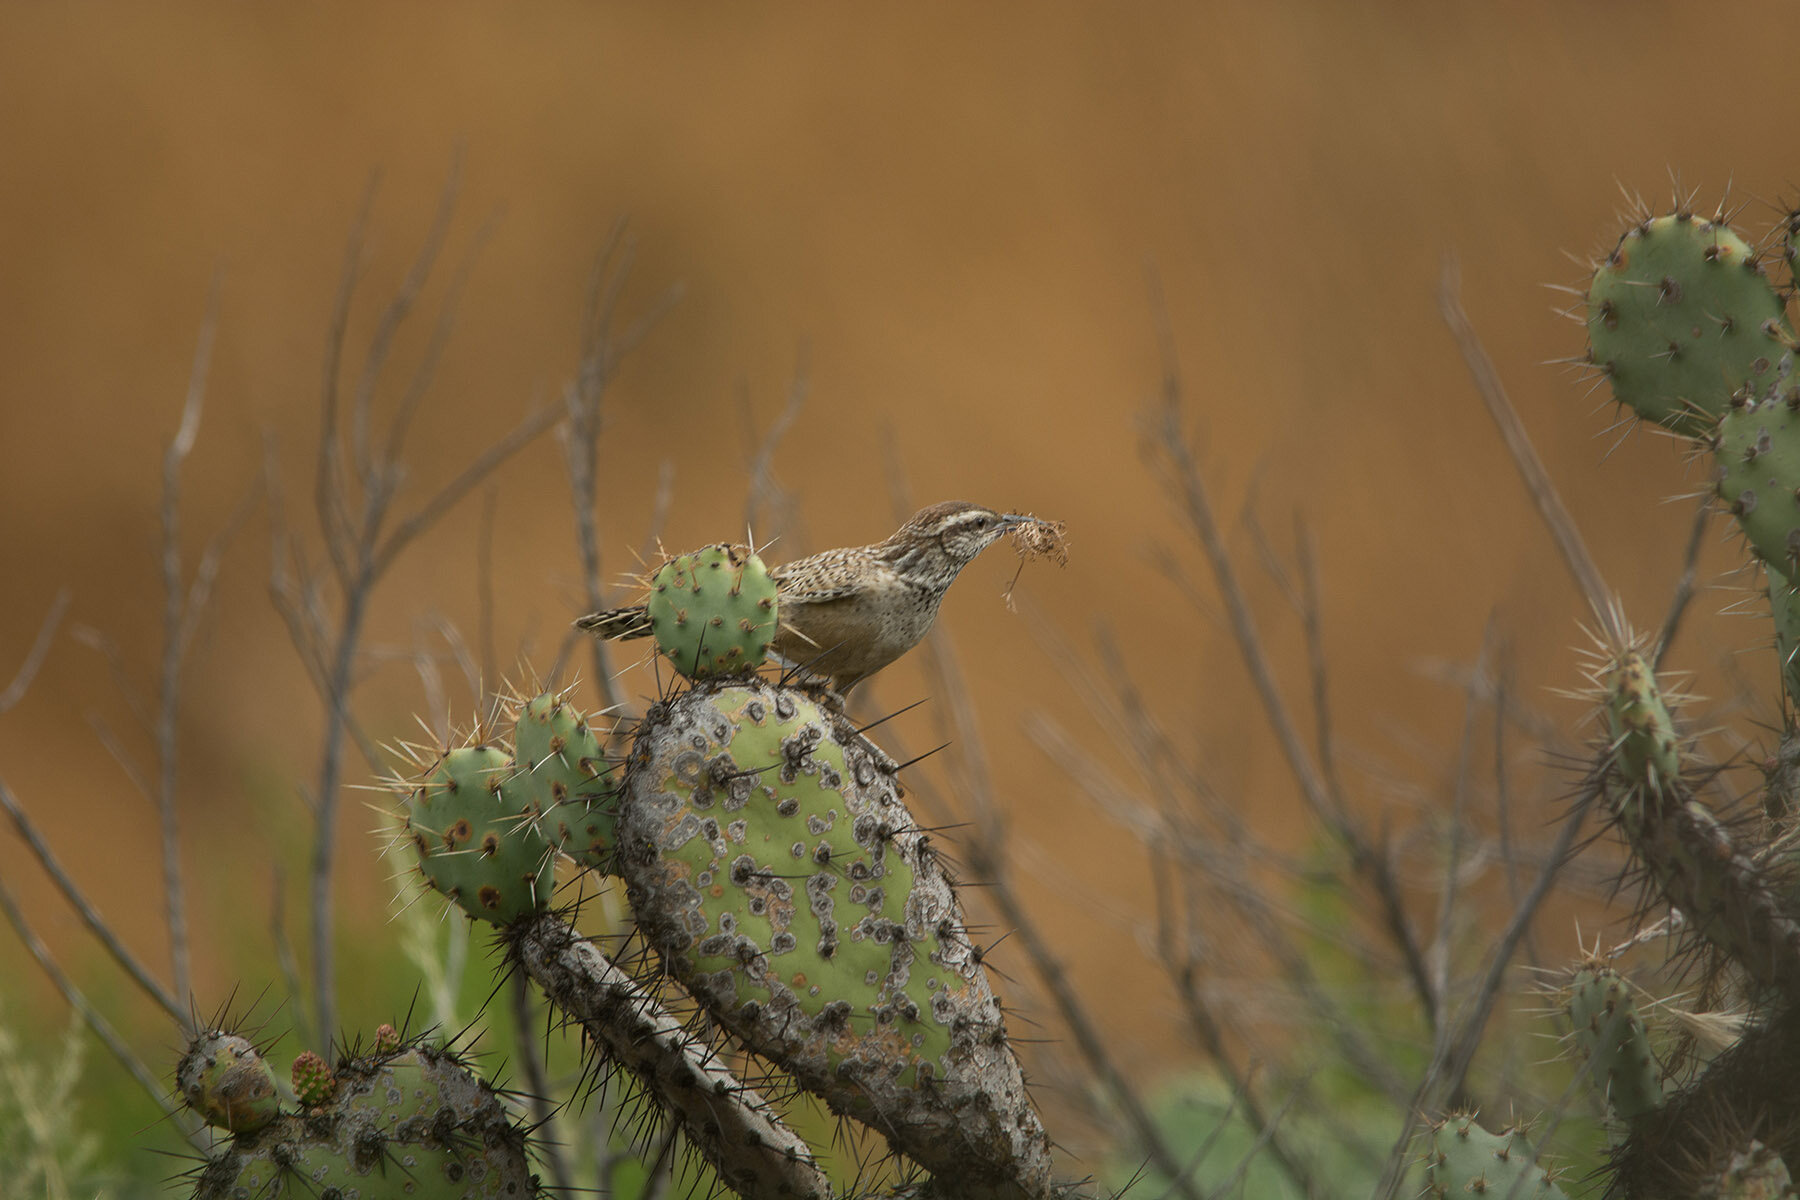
x=616 y=624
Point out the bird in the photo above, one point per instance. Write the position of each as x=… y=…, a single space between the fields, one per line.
x=845 y=614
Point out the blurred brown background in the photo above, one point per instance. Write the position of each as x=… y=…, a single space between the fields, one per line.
x=945 y=216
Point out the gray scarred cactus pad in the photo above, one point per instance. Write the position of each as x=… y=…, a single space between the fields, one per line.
x=769 y=859
x=412 y=1123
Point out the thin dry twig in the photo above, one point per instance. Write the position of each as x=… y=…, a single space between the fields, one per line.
x=362 y=548
x=1450 y=1064
x=101 y=1027
x=90 y=916
x=1368 y=860
x=1525 y=456
x=34 y=657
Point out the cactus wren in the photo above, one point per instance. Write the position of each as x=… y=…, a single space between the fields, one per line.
x=845 y=614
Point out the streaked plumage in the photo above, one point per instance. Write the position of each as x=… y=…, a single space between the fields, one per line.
x=847 y=613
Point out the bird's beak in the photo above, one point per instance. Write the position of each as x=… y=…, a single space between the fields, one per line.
x=1008 y=520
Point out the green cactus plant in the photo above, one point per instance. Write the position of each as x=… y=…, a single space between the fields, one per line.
x=474 y=825
x=566 y=767
x=414 y=1122
x=1680 y=317
x=769 y=859
x=1606 y=1029
x=1462 y=1158
x=713 y=612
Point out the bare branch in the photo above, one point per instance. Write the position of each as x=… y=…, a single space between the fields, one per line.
x=34 y=657
x=1525 y=457
x=90 y=916
x=103 y=1029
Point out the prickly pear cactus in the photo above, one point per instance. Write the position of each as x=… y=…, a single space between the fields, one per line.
x=712 y=612
x=1680 y=317
x=1758 y=452
x=1463 y=1159
x=1606 y=1030
x=1643 y=734
x=567 y=768
x=474 y=825
x=410 y=1123
x=770 y=861
x=225 y=1079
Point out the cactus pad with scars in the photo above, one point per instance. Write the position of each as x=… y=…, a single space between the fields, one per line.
x=1680 y=317
x=713 y=612
x=225 y=1079
x=411 y=1123
x=474 y=824
x=1605 y=1026
x=769 y=859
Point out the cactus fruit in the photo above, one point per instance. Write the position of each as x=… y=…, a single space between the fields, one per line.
x=767 y=856
x=712 y=612
x=314 y=1084
x=1681 y=316
x=567 y=769
x=387 y=1039
x=225 y=1079
x=414 y=1124
x=474 y=825
x=1645 y=749
x=1604 y=1024
x=1462 y=1158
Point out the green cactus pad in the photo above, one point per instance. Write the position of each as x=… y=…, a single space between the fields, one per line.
x=226 y=1080
x=474 y=825
x=1605 y=1027
x=768 y=858
x=413 y=1124
x=1646 y=751
x=566 y=770
x=712 y=612
x=1463 y=1159
x=1680 y=317
x=1758 y=458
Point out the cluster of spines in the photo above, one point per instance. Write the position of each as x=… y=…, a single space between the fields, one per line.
x=1463 y=1159
x=713 y=611
x=486 y=819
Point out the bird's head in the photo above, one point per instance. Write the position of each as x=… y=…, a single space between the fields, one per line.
x=959 y=529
